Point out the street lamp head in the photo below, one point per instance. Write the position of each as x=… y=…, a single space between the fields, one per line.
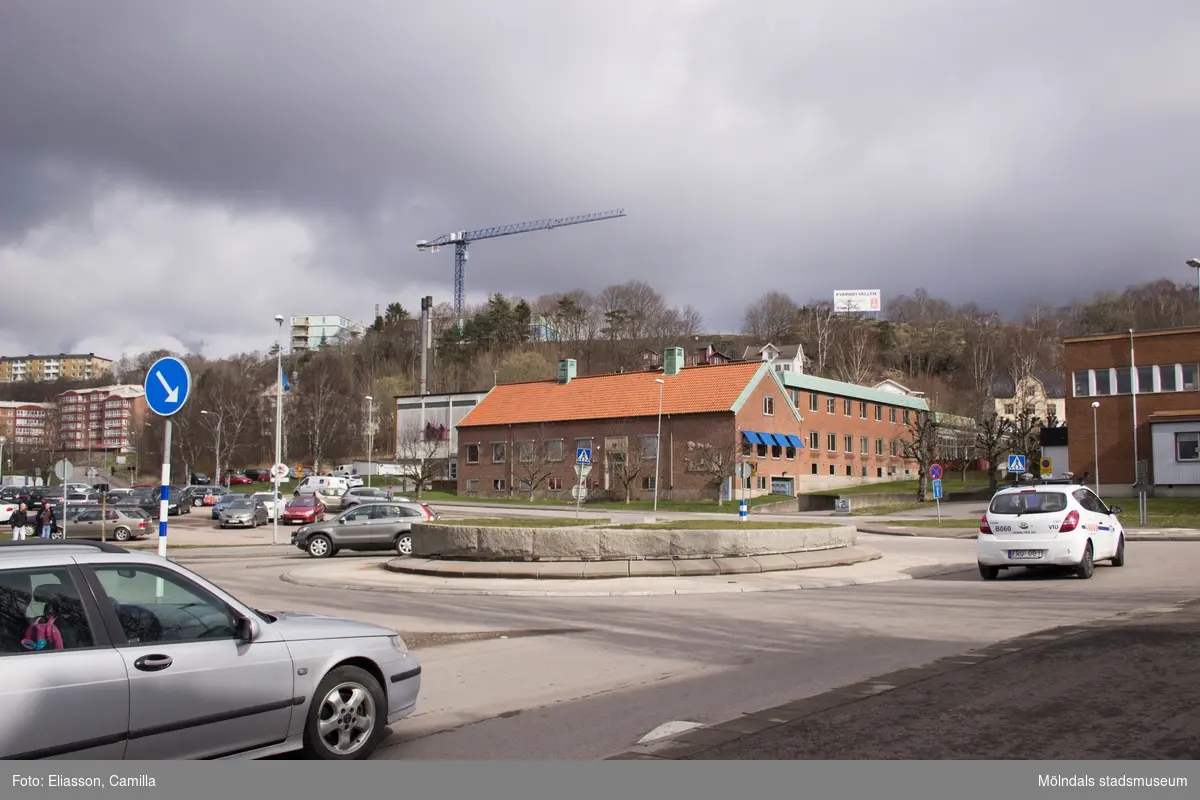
x=1095 y=404
x=202 y=411
x=279 y=318
x=1194 y=263
x=659 y=381
x=370 y=399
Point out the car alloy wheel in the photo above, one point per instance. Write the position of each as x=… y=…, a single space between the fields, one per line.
x=348 y=720
x=58 y=533
x=1118 y=560
x=404 y=544
x=121 y=534
x=320 y=547
x=1087 y=566
x=197 y=502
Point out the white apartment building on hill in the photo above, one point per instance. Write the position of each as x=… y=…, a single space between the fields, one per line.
x=310 y=331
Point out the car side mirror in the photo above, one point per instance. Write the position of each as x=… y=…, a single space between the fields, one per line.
x=245 y=629
x=1114 y=509
x=341 y=521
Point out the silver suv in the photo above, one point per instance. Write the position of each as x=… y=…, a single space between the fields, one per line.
x=127 y=655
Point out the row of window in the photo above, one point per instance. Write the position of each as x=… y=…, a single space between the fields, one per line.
x=552 y=484
x=848 y=408
x=1152 y=379
x=1187 y=446
x=893 y=446
x=552 y=450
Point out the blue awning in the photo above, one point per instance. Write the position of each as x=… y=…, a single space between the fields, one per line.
x=795 y=442
x=773 y=439
x=752 y=437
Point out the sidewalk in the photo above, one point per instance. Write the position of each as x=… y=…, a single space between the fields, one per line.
x=1131 y=534
x=1117 y=688
x=373 y=577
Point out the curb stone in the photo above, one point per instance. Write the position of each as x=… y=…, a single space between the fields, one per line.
x=915 y=573
x=697 y=740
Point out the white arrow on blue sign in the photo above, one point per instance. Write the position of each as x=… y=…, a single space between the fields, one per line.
x=1016 y=464
x=937 y=489
x=583 y=455
x=168 y=384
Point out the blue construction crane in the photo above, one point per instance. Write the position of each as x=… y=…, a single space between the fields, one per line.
x=461 y=239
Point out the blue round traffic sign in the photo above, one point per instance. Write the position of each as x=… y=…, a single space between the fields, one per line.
x=935 y=472
x=168 y=383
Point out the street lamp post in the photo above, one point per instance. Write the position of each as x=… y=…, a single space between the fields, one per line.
x=278 y=426
x=216 y=447
x=3 y=439
x=1194 y=263
x=658 y=440
x=1096 y=443
x=370 y=434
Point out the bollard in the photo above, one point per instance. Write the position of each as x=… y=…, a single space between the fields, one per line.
x=743 y=510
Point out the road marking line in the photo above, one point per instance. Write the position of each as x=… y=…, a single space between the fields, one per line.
x=669 y=729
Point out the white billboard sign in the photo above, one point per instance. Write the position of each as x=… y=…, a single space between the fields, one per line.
x=852 y=301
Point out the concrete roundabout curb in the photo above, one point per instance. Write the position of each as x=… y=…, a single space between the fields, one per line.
x=375 y=578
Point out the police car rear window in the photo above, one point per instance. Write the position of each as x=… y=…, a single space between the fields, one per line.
x=1029 y=503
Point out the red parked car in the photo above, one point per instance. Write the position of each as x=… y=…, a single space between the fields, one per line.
x=237 y=479
x=303 y=511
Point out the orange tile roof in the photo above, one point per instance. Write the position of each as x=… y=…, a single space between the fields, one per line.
x=695 y=390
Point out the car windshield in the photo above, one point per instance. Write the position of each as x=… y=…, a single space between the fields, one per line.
x=242 y=504
x=303 y=501
x=1029 y=503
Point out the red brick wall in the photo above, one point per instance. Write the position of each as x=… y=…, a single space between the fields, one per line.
x=1114 y=417
x=676 y=481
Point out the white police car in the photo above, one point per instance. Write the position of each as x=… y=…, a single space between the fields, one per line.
x=1049 y=525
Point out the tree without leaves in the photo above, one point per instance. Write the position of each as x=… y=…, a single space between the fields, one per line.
x=322 y=407
x=1023 y=436
x=715 y=461
x=815 y=325
x=424 y=458
x=855 y=353
x=921 y=444
x=534 y=463
x=625 y=461
x=772 y=318
x=991 y=441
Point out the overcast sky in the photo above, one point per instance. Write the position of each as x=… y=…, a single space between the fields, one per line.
x=174 y=174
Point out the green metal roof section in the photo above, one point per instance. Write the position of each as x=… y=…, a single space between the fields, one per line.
x=811 y=383
x=753 y=384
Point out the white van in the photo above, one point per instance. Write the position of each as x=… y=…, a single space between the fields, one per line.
x=326 y=484
x=343 y=470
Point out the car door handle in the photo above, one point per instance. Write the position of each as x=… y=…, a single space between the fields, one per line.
x=153 y=663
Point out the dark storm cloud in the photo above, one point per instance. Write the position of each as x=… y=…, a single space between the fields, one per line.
x=986 y=150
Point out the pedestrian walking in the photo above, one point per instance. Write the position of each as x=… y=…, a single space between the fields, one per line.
x=19 y=519
x=45 y=521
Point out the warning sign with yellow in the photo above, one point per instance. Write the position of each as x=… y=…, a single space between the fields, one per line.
x=1047 y=466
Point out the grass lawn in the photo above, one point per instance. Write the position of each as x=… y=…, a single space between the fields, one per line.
x=951 y=482
x=1161 y=512
x=696 y=506
x=716 y=525
x=521 y=522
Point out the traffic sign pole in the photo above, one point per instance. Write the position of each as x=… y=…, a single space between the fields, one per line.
x=168 y=384
x=583 y=460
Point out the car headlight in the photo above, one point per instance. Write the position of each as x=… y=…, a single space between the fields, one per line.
x=398 y=644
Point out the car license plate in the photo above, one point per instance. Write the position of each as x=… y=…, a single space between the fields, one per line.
x=1024 y=553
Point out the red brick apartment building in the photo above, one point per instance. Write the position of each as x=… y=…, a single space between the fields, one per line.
x=1166 y=373
x=101 y=419
x=23 y=425
x=523 y=437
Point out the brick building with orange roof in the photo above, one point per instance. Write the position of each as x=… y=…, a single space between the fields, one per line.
x=522 y=438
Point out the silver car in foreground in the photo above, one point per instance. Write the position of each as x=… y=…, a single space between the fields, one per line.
x=124 y=655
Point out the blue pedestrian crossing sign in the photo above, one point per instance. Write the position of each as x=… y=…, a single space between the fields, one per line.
x=937 y=488
x=1016 y=464
x=168 y=383
x=583 y=455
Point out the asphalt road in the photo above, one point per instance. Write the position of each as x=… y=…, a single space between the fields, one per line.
x=630 y=664
x=1129 y=691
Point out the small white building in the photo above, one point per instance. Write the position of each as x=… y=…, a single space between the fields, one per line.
x=782 y=358
x=310 y=331
x=426 y=427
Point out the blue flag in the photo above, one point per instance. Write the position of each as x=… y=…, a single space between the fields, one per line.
x=287 y=387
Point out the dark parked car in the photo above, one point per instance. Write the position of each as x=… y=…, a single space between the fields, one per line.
x=148 y=502
x=200 y=479
x=258 y=475
x=371 y=526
